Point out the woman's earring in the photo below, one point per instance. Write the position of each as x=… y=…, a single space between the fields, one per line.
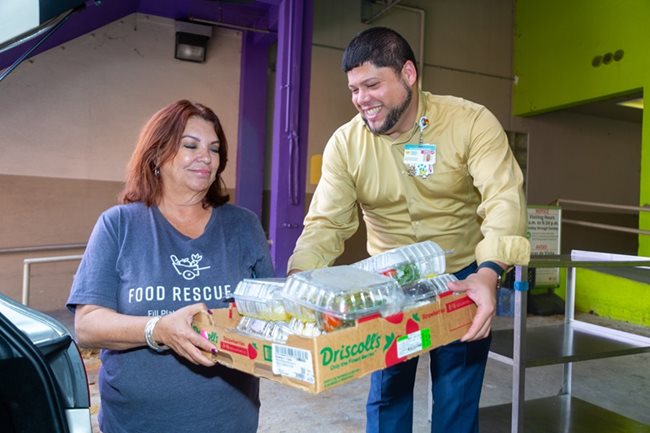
x=156 y=172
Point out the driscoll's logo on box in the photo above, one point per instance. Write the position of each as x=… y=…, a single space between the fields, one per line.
x=350 y=352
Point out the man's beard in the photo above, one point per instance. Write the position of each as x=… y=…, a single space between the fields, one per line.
x=393 y=115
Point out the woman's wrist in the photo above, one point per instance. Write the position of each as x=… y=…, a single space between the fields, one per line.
x=148 y=335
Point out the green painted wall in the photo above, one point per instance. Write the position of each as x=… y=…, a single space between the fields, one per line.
x=609 y=296
x=556 y=41
x=555 y=44
x=613 y=297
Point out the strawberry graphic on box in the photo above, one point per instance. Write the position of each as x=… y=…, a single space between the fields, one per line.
x=396 y=318
x=391 y=357
x=390 y=347
x=252 y=350
x=412 y=324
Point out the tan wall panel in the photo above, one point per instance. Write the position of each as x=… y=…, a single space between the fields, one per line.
x=44 y=211
x=40 y=211
x=75 y=111
x=37 y=212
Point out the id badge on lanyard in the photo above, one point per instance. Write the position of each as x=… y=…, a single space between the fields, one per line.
x=420 y=158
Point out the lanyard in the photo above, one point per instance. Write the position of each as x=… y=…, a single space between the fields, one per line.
x=420 y=158
x=422 y=124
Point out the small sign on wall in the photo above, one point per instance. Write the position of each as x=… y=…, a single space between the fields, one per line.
x=544 y=223
x=315 y=164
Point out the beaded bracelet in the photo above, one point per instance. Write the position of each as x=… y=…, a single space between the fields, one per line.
x=148 y=335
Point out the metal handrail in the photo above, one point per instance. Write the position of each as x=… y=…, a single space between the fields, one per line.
x=26 y=268
x=607 y=227
x=33 y=249
x=631 y=209
x=634 y=209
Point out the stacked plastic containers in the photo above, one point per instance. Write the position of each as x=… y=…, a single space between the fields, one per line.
x=324 y=300
x=277 y=331
x=261 y=305
x=261 y=298
x=335 y=297
x=408 y=263
x=266 y=329
x=426 y=289
x=418 y=268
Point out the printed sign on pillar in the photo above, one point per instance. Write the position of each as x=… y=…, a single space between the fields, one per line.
x=544 y=223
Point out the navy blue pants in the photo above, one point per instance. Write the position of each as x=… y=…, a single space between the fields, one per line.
x=457 y=371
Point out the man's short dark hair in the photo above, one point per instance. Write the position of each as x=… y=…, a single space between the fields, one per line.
x=381 y=46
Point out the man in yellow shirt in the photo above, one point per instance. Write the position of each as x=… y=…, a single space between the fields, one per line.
x=421 y=167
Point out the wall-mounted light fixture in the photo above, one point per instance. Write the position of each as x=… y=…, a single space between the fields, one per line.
x=192 y=41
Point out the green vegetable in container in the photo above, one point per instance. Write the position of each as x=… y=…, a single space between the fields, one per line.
x=406 y=273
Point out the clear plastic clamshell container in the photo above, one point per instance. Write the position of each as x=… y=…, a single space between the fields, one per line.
x=277 y=332
x=305 y=329
x=427 y=289
x=265 y=329
x=261 y=298
x=335 y=297
x=408 y=263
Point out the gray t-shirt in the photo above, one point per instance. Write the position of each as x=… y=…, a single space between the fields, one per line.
x=137 y=263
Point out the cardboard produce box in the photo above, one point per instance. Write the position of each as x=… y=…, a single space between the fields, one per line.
x=320 y=363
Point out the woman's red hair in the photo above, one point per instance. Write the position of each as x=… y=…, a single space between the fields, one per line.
x=159 y=142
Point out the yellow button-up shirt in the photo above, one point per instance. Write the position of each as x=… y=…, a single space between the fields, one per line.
x=472 y=205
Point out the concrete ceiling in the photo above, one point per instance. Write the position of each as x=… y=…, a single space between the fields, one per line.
x=252 y=14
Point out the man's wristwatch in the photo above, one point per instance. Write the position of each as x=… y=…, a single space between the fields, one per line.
x=496 y=268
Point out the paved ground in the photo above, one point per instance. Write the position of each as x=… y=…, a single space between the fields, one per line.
x=620 y=384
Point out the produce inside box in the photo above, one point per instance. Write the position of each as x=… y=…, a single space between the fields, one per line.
x=324 y=327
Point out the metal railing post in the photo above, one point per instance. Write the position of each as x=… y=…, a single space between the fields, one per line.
x=25 y=297
x=26 y=270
